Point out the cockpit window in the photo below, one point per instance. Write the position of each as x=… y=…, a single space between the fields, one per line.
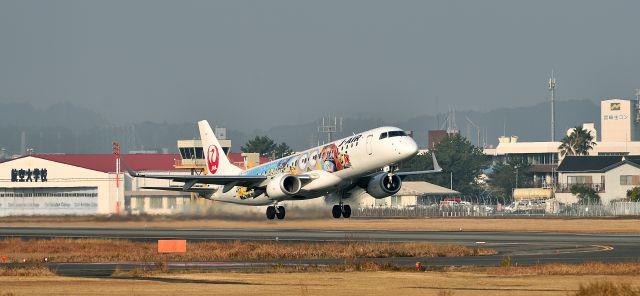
x=397 y=134
x=383 y=135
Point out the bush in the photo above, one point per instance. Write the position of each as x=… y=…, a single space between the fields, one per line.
x=506 y=261
x=607 y=288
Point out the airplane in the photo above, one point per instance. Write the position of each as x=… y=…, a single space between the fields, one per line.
x=363 y=162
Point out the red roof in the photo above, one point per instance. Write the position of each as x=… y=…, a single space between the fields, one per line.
x=237 y=158
x=106 y=162
x=134 y=162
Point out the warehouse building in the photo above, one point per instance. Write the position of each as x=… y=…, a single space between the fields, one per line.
x=88 y=184
x=72 y=184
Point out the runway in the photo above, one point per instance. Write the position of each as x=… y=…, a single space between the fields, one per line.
x=523 y=247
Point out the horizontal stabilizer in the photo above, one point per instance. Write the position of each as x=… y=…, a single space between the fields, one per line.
x=201 y=190
x=240 y=180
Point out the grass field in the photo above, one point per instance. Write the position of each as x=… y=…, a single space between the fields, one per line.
x=611 y=225
x=323 y=283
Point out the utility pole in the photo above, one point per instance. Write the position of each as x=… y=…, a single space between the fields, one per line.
x=552 y=88
x=478 y=129
x=637 y=104
x=116 y=154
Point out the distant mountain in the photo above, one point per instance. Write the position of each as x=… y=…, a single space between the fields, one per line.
x=530 y=123
x=64 y=115
x=69 y=128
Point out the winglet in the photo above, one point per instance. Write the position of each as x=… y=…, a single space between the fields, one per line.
x=436 y=166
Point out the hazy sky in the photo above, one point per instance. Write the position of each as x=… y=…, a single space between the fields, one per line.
x=256 y=64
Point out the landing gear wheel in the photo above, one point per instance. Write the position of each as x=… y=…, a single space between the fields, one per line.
x=336 y=211
x=346 y=211
x=280 y=213
x=271 y=212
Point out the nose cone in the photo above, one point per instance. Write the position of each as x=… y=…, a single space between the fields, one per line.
x=410 y=148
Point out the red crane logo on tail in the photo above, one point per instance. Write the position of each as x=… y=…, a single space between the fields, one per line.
x=213 y=158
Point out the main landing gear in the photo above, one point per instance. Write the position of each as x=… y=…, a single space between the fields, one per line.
x=341 y=210
x=273 y=212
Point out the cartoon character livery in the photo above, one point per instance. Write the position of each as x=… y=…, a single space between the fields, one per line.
x=338 y=169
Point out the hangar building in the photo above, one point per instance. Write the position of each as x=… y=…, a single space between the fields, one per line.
x=79 y=184
x=87 y=184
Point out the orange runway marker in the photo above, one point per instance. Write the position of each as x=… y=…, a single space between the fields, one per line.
x=172 y=246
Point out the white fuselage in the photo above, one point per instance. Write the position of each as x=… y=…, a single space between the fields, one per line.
x=332 y=167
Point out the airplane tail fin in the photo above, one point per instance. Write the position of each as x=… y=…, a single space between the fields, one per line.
x=215 y=158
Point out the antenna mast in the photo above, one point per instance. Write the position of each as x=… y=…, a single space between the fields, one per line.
x=637 y=104
x=452 y=127
x=328 y=127
x=478 y=131
x=552 y=88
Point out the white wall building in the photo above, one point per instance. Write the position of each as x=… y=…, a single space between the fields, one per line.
x=609 y=176
x=618 y=121
x=82 y=184
x=543 y=157
x=87 y=184
x=37 y=186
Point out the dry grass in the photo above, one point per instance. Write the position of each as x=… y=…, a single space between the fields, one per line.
x=25 y=271
x=135 y=273
x=104 y=250
x=588 y=268
x=347 y=266
x=607 y=288
x=596 y=225
x=591 y=268
x=321 y=283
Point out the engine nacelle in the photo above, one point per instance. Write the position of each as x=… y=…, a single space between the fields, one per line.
x=384 y=185
x=283 y=186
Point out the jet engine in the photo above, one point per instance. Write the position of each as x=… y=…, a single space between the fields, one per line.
x=283 y=186
x=383 y=185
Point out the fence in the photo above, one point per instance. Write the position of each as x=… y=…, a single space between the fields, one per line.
x=481 y=210
x=625 y=208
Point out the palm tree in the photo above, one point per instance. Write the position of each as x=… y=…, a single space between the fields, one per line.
x=579 y=142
